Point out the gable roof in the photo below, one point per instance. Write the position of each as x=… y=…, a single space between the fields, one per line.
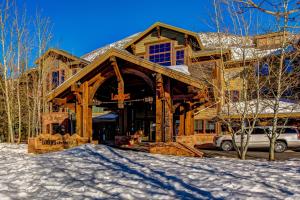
x=118 y=45
x=128 y=57
x=160 y=24
x=63 y=53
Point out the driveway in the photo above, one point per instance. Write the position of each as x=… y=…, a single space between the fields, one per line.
x=252 y=154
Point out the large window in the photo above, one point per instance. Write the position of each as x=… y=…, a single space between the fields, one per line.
x=55 y=79
x=160 y=53
x=62 y=76
x=288 y=67
x=204 y=126
x=262 y=70
x=232 y=96
x=58 y=77
x=210 y=127
x=198 y=125
x=180 y=57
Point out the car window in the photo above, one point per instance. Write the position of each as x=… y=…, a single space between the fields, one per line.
x=287 y=130
x=259 y=131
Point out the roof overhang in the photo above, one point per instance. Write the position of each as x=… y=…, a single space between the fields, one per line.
x=62 y=53
x=130 y=58
x=215 y=52
x=163 y=25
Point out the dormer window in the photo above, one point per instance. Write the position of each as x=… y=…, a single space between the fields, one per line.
x=160 y=53
x=180 y=57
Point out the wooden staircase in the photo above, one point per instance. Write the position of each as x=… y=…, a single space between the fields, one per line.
x=175 y=148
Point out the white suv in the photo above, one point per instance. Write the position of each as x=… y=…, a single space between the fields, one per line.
x=289 y=138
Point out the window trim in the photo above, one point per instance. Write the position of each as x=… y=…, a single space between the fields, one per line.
x=153 y=54
x=183 y=59
x=203 y=127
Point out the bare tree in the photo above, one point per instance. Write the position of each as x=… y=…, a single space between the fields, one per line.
x=285 y=15
x=19 y=46
x=238 y=43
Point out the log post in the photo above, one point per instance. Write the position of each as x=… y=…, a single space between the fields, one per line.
x=120 y=82
x=181 y=121
x=188 y=120
x=168 y=114
x=86 y=112
x=79 y=119
x=159 y=108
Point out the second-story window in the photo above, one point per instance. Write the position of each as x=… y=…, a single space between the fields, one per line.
x=58 y=77
x=288 y=67
x=180 y=57
x=62 y=76
x=55 y=79
x=160 y=53
x=232 y=96
x=263 y=70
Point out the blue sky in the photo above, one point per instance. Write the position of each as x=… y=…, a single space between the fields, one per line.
x=80 y=26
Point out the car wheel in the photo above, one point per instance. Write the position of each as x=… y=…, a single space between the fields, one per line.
x=280 y=146
x=227 y=146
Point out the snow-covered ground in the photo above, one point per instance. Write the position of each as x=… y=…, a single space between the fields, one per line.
x=100 y=172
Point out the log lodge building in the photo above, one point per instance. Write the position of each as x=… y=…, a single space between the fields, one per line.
x=154 y=83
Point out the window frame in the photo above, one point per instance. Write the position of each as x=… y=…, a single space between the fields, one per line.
x=206 y=126
x=202 y=123
x=181 y=59
x=161 y=53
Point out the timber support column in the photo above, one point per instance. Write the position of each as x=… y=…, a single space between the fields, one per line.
x=159 y=129
x=181 y=121
x=86 y=112
x=168 y=114
x=79 y=119
x=189 y=120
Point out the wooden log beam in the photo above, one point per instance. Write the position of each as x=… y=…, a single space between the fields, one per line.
x=168 y=114
x=76 y=88
x=78 y=97
x=120 y=81
x=189 y=120
x=59 y=101
x=158 y=31
x=86 y=112
x=70 y=106
x=159 y=107
x=79 y=119
x=94 y=79
x=181 y=121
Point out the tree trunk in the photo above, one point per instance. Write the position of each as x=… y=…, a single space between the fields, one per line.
x=272 y=151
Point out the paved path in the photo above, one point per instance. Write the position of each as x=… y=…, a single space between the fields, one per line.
x=252 y=154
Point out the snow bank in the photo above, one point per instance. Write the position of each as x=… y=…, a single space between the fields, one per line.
x=100 y=172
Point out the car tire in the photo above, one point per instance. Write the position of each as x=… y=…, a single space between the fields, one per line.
x=280 y=147
x=227 y=146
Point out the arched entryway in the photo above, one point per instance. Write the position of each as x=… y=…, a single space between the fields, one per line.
x=137 y=113
x=138 y=92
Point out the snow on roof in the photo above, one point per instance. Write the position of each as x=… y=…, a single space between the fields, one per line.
x=242 y=47
x=118 y=45
x=180 y=68
x=215 y=40
x=240 y=53
x=265 y=106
